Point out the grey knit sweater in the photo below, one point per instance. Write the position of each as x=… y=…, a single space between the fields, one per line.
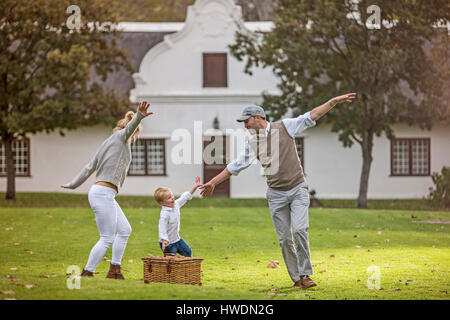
x=112 y=159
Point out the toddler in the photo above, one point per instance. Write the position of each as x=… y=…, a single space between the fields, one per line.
x=169 y=221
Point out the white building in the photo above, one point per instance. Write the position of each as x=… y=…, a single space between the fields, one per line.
x=194 y=84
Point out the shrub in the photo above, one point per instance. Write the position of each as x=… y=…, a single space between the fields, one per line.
x=440 y=194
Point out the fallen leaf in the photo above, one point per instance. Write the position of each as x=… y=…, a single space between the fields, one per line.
x=443 y=291
x=273 y=264
x=274 y=289
x=44 y=276
x=13 y=269
x=322 y=271
x=413 y=216
x=378 y=232
x=357 y=247
x=16 y=243
x=130 y=261
x=10 y=299
x=9 y=229
x=8 y=292
x=29 y=286
x=331 y=255
x=356 y=236
x=396 y=289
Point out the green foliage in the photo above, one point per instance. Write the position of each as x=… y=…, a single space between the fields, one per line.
x=48 y=72
x=440 y=194
x=318 y=52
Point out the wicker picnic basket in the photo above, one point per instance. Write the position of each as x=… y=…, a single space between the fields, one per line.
x=172 y=269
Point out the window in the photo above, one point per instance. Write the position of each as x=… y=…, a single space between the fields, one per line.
x=21 y=151
x=148 y=158
x=410 y=157
x=300 y=150
x=215 y=73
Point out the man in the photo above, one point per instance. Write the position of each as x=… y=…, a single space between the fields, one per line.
x=273 y=144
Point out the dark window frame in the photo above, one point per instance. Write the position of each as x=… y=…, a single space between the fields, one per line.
x=410 y=157
x=147 y=173
x=3 y=175
x=224 y=83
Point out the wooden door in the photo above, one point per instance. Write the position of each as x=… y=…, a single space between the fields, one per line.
x=214 y=161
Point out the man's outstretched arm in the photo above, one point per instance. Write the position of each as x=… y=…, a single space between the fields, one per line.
x=208 y=188
x=319 y=111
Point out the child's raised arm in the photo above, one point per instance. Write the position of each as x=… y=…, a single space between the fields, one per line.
x=188 y=194
x=196 y=185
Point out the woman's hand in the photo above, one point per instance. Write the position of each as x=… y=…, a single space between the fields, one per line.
x=143 y=107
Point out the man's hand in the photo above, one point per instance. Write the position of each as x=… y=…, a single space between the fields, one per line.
x=319 y=111
x=143 y=107
x=344 y=98
x=207 y=189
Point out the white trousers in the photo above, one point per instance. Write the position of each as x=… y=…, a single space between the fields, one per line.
x=112 y=224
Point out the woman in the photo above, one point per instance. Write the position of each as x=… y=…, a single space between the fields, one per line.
x=111 y=163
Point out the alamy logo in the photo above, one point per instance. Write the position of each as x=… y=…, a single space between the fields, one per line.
x=74 y=279
x=373 y=21
x=374 y=281
x=74 y=20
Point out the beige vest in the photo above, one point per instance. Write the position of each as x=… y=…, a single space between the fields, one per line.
x=278 y=156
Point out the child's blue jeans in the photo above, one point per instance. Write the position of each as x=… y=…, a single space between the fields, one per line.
x=180 y=247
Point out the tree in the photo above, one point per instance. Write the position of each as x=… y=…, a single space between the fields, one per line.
x=175 y=10
x=319 y=49
x=48 y=60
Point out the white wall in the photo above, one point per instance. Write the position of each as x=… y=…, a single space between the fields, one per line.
x=334 y=171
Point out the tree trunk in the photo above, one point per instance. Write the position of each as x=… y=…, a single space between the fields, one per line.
x=367 y=146
x=10 y=170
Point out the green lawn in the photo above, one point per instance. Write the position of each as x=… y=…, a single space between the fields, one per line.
x=37 y=245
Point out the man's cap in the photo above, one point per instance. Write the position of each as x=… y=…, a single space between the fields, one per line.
x=251 y=111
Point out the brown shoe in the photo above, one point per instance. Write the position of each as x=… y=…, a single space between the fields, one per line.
x=114 y=272
x=305 y=282
x=86 y=273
